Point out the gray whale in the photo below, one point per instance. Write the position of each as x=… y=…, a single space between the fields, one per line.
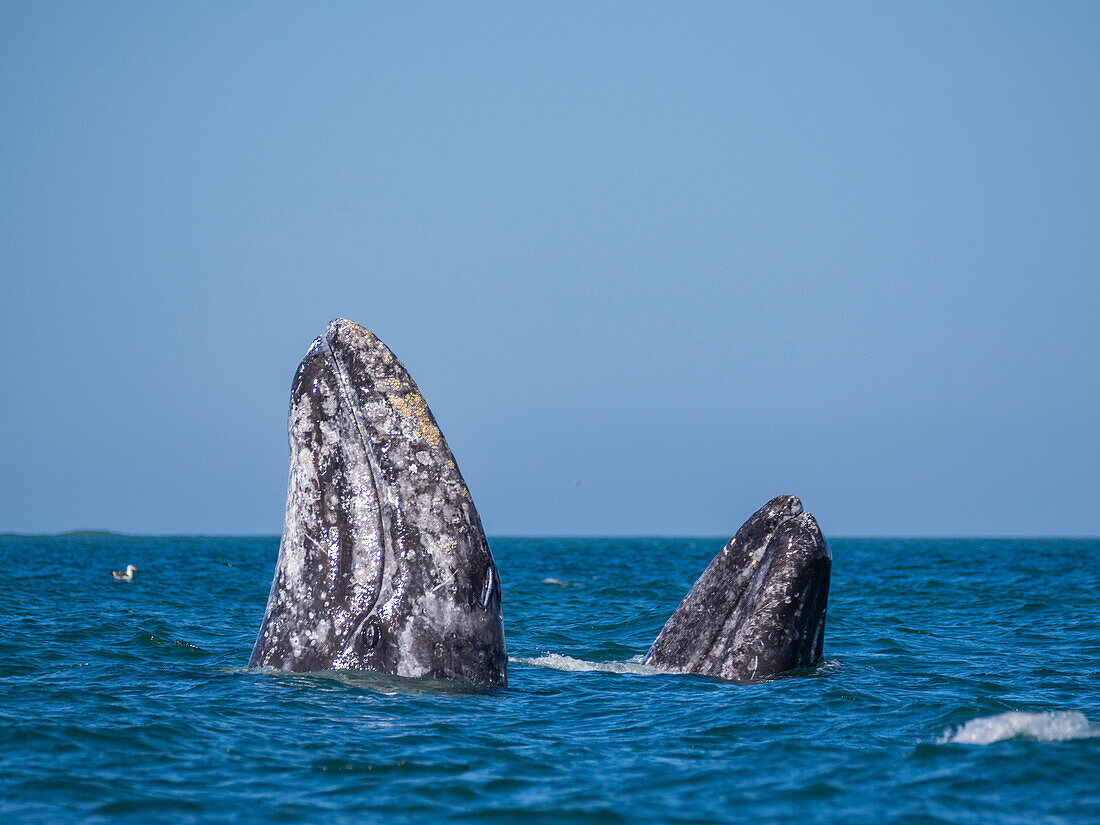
x=383 y=563
x=759 y=607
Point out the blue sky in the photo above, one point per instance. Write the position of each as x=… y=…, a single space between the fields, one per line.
x=650 y=264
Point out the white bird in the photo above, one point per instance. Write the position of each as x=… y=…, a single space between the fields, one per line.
x=128 y=576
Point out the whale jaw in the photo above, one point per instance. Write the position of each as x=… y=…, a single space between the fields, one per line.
x=383 y=564
x=759 y=607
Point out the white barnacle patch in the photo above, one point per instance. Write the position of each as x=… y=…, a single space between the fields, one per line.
x=409 y=664
x=297 y=643
x=295 y=564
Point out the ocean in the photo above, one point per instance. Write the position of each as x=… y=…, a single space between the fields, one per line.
x=959 y=685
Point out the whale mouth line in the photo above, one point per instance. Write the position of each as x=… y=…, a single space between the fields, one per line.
x=381 y=489
x=345 y=393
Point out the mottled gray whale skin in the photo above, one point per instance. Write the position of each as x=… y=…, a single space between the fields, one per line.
x=759 y=607
x=383 y=563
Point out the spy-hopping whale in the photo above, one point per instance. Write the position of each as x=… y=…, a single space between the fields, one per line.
x=383 y=564
x=759 y=607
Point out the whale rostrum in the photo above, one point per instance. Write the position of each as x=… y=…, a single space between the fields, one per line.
x=759 y=607
x=383 y=563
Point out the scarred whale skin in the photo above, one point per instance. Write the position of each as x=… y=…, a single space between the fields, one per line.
x=759 y=607
x=383 y=564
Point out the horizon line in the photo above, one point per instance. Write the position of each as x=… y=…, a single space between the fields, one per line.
x=567 y=536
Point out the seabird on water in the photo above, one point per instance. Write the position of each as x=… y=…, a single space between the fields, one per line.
x=128 y=576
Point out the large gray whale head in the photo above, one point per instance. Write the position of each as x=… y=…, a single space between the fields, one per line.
x=759 y=607
x=383 y=563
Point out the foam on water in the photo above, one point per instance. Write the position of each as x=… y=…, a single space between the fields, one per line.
x=557 y=661
x=1051 y=726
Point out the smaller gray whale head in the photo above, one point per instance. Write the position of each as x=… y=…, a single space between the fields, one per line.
x=759 y=607
x=383 y=564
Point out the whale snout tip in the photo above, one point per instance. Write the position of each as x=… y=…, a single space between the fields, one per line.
x=817 y=545
x=343 y=325
x=788 y=505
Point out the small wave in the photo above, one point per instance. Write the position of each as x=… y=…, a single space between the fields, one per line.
x=1052 y=726
x=557 y=661
x=824 y=668
x=558 y=582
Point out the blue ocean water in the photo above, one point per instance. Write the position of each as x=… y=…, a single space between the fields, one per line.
x=959 y=685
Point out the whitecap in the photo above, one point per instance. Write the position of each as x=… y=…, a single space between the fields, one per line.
x=1051 y=726
x=557 y=661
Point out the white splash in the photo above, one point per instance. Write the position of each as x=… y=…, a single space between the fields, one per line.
x=1052 y=726
x=556 y=661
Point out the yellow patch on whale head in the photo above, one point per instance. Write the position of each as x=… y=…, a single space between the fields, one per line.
x=414 y=406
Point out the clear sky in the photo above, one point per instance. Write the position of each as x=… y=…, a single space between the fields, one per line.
x=651 y=265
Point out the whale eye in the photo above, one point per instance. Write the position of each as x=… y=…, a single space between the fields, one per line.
x=487 y=588
x=368 y=636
